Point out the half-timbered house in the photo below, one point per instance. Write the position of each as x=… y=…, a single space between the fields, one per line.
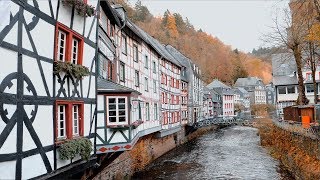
x=183 y=60
x=47 y=84
x=128 y=89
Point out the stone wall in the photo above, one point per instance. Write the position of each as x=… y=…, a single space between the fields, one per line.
x=146 y=150
x=300 y=155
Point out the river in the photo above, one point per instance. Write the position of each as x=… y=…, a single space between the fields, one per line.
x=228 y=153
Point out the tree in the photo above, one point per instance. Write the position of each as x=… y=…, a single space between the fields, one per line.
x=309 y=10
x=142 y=13
x=181 y=25
x=291 y=33
x=172 y=27
x=238 y=69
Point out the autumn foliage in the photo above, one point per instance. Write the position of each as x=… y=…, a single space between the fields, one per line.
x=216 y=59
x=298 y=154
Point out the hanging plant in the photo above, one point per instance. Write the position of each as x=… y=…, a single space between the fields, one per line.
x=75 y=70
x=80 y=146
x=136 y=123
x=81 y=7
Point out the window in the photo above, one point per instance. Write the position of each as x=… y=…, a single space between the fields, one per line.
x=290 y=89
x=308 y=76
x=62 y=121
x=309 y=88
x=146 y=86
x=69 y=119
x=147 y=112
x=69 y=45
x=154 y=67
x=75 y=51
x=146 y=62
x=122 y=71
x=136 y=79
x=155 y=111
x=117 y=110
x=62 y=45
x=154 y=86
x=75 y=113
x=135 y=53
x=282 y=90
x=124 y=44
x=172 y=99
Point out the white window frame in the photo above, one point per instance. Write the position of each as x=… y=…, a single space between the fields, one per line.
x=75 y=51
x=146 y=61
x=135 y=53
x=146 y=86
x=136 y=78
x=59 y=136
x=122 y=74
x=117 y=110
x=154 y=86
x=60 y=46
x=155 y=111
x=154 y=67
x=124 y=45
x=147 y=112
x=75 y=126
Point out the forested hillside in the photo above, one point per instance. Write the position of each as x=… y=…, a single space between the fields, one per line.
x=216 y=59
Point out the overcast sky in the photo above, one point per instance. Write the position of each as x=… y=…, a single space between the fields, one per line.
x=238 y=23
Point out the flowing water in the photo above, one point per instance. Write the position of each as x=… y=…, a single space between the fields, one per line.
x=229 y=153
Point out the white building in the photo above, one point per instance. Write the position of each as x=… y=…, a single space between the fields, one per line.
x=227 y=95
x=42 y=105
x=255 y=87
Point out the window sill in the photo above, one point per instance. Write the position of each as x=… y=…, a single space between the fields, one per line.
x=61 y=141
x=117 y=127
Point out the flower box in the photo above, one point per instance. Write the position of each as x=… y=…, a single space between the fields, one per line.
x=75 y=70
x=80 y=6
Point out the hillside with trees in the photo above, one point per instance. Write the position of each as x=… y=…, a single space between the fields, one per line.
x=216 y=59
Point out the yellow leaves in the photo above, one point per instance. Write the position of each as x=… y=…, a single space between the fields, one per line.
x=172 y=27
x=314 y=33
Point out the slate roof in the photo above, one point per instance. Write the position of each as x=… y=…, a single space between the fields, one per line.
x=183 y=60
x=155 y=44
x=110 y=12
x=243 y=91
x=245 y=82
x=109 y=86
x=283 y=64
x=217 y=84
x=284 y=80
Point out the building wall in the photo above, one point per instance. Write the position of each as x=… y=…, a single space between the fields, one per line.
x=27 y=147
x=228 y=105
x=170 y=94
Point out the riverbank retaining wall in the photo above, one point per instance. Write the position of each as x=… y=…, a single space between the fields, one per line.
x=146 y=150
x=299 y=154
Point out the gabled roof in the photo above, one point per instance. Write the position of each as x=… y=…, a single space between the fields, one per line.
x=183 y=60
x=284 y=80
x=242 y=90
x=109 y=86
x=155 y=44
x=217 y=84
x=249 y=81
x=158 y=47
x=110 y=12
x=283 y=64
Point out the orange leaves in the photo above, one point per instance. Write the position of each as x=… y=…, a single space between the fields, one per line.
x=314 y=33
